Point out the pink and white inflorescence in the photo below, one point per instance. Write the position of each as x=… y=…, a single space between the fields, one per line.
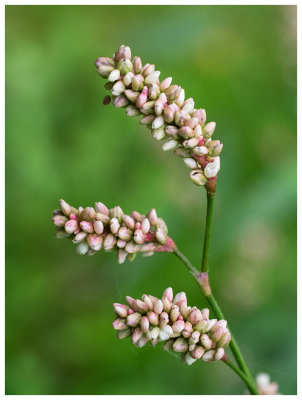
x=165 y=112
x=186 y=330
x=93 y=229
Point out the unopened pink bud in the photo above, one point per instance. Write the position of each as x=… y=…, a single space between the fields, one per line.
x=153 y=318
x=179 y=298
x=120 y=101
x=168 y=293
x=138 y=236
x=210 y=324
x=189 y=360
x=65 y=207
x=86 y=226
x=147 y=69
x=95 y=241
x=142 y=98
x=79 y=237
x=124 y=334
x=206 y=341
x=119 y=324
x=219 y=354
x=174 y=314
x=205 y=313
x=109 y=242
x=120 y=309
x=98 y=227
x=144 y=324
x=121 y=256
x=178 y=326
x=114 y=225
x=163 y=319
x=136 y=335
x=198 y=352
x=194 y=315
x=134 y=319
x=147 y=120
x=201 y=325
x=103 y=218
x=180 y=345
x=225 y=339
x=137 y=82
x=158 y=307
x=59 y=220
x=130 y=301
x=187 y=329
x=192 y=123
x=82 y=248
x=140 y=306
x=122 y=52
x=143 y=341
x=209 y=129
x=165 y=84
x=146 y=299
x=137 y=216
x=137 y=64
x=208 y=355
x=132 y=247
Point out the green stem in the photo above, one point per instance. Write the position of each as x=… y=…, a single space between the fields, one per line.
x=202 y=280
x=207 y=235
x=248 y=383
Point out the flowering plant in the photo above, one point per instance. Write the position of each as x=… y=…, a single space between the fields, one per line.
x=168 y=319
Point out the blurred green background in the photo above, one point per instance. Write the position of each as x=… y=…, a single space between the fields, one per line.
x=238 y=62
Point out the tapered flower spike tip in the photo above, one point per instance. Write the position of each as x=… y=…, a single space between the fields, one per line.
x=93 y=229
x=166 y=111
x=185 y=330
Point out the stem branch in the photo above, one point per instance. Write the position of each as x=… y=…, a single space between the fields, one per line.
x=248 y=383
x=202 y=280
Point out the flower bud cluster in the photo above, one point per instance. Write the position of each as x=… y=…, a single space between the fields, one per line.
x=265 y=386
x=185 y=330
x=165 y=112
x=93 y=229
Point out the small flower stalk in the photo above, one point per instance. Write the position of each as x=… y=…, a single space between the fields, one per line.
x=94 y=229
x=183 y=329
x=165 y=111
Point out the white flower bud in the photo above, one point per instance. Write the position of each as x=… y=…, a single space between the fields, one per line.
x=190 y=143
x=161 y=237
x=98 y=227
x=114 y=225
x=128 y=78
x=158 y=122
x=189 y=360
x=82 y=248
x=118 y=88
x=188 y=106
x=152 y=78
x=145 y=226
x=165 y=84
x=159 y=134
x=200 y=150
x=132 y=111
x=209 y=129
x=191 y=163
x=181 y=98
x=114 y=75
x=212 y=168
x=170 y=145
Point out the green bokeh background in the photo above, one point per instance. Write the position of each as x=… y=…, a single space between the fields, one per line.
x=238 y=62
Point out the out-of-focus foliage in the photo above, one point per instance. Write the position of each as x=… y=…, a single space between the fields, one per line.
x=238 y=62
